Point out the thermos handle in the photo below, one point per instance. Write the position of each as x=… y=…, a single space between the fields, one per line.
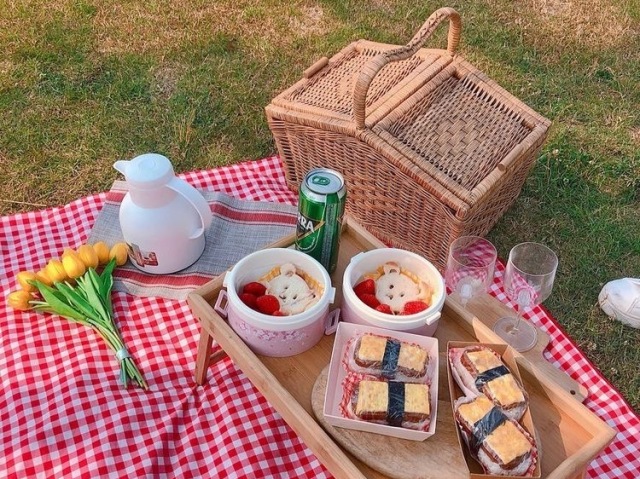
x=198 y=201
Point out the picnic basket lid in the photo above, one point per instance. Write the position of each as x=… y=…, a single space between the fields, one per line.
x=462 y=129
x=436 y=115
x=327 y=87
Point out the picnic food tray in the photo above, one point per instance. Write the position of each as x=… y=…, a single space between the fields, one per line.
x=570 y=434
x=413 y=130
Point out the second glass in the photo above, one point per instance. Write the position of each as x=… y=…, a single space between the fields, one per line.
x=528 y=281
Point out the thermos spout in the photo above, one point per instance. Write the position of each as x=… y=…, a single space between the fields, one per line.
x=121 y=166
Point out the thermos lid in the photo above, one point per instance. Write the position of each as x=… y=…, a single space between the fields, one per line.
x=149 y=171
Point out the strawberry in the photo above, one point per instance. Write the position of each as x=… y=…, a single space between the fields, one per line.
x=384 y=308
x=278 y=313
x=370 y=300
x=267 y=304
x=413 y=307
x=248 y=299
x=255 y=288
x=368 y=286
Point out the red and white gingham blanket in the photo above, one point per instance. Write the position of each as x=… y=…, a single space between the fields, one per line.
x=64 y=414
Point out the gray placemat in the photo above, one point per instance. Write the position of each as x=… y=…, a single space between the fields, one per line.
x=238 y=228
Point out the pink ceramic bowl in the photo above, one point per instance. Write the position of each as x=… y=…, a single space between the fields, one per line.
x=277 y=336
x=355 y=311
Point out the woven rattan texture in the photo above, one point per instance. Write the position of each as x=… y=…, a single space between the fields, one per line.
x=332 y=89
x=395 y=204
x=462 y=130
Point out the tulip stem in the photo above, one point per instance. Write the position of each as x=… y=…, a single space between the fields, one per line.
x=89 y=303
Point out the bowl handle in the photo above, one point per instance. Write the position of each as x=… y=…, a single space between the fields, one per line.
x=433 y=318
x=333 y=318
x=332 y=294
x=353 y=258
x=219 y=307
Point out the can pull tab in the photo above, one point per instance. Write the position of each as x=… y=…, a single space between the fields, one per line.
x=320 y=180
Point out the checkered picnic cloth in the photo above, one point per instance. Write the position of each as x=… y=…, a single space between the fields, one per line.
x=63 y=413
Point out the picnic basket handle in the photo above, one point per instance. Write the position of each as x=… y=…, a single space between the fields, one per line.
x=373 y=66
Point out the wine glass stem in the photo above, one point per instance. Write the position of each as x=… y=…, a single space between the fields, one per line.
x=464 y=299
x=516 y=325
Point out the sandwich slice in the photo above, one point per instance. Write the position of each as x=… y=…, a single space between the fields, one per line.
x=479 y=369
x=390 y=357
x=393 y=403
x=500 y=444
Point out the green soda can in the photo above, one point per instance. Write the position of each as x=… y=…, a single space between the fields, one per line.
x=321 y=202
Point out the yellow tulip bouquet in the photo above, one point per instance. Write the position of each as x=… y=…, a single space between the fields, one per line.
x=71 y=287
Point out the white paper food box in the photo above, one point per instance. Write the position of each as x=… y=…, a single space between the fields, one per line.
x=508 y=357
x=337 y=373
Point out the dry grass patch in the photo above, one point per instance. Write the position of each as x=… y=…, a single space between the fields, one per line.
x=154 y=28
x=165 y=80
x=310 y=23
x=597 y=24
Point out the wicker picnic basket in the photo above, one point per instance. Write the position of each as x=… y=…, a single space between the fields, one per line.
x=430 y=147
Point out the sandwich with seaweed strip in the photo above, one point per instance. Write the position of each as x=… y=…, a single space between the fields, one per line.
x=387 y=357
x=500 y=444
x=392 y=403
x=478 y=369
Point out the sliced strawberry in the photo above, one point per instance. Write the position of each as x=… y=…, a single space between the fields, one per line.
x=384 y=308
x=255 y=288
x=413 y=307
x=267 y=304
x=370 y=300
x=248 y=299
x=368 y=286
x=278 y=313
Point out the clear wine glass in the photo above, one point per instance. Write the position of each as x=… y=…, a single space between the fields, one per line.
x=470 y=267
x=528 y=281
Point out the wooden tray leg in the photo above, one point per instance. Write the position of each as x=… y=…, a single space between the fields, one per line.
x=205 y=358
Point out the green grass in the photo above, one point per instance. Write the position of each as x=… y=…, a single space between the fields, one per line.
x=85 y=83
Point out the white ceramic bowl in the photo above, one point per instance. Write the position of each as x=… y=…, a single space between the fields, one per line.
x=277 y=336
x=355 y=311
